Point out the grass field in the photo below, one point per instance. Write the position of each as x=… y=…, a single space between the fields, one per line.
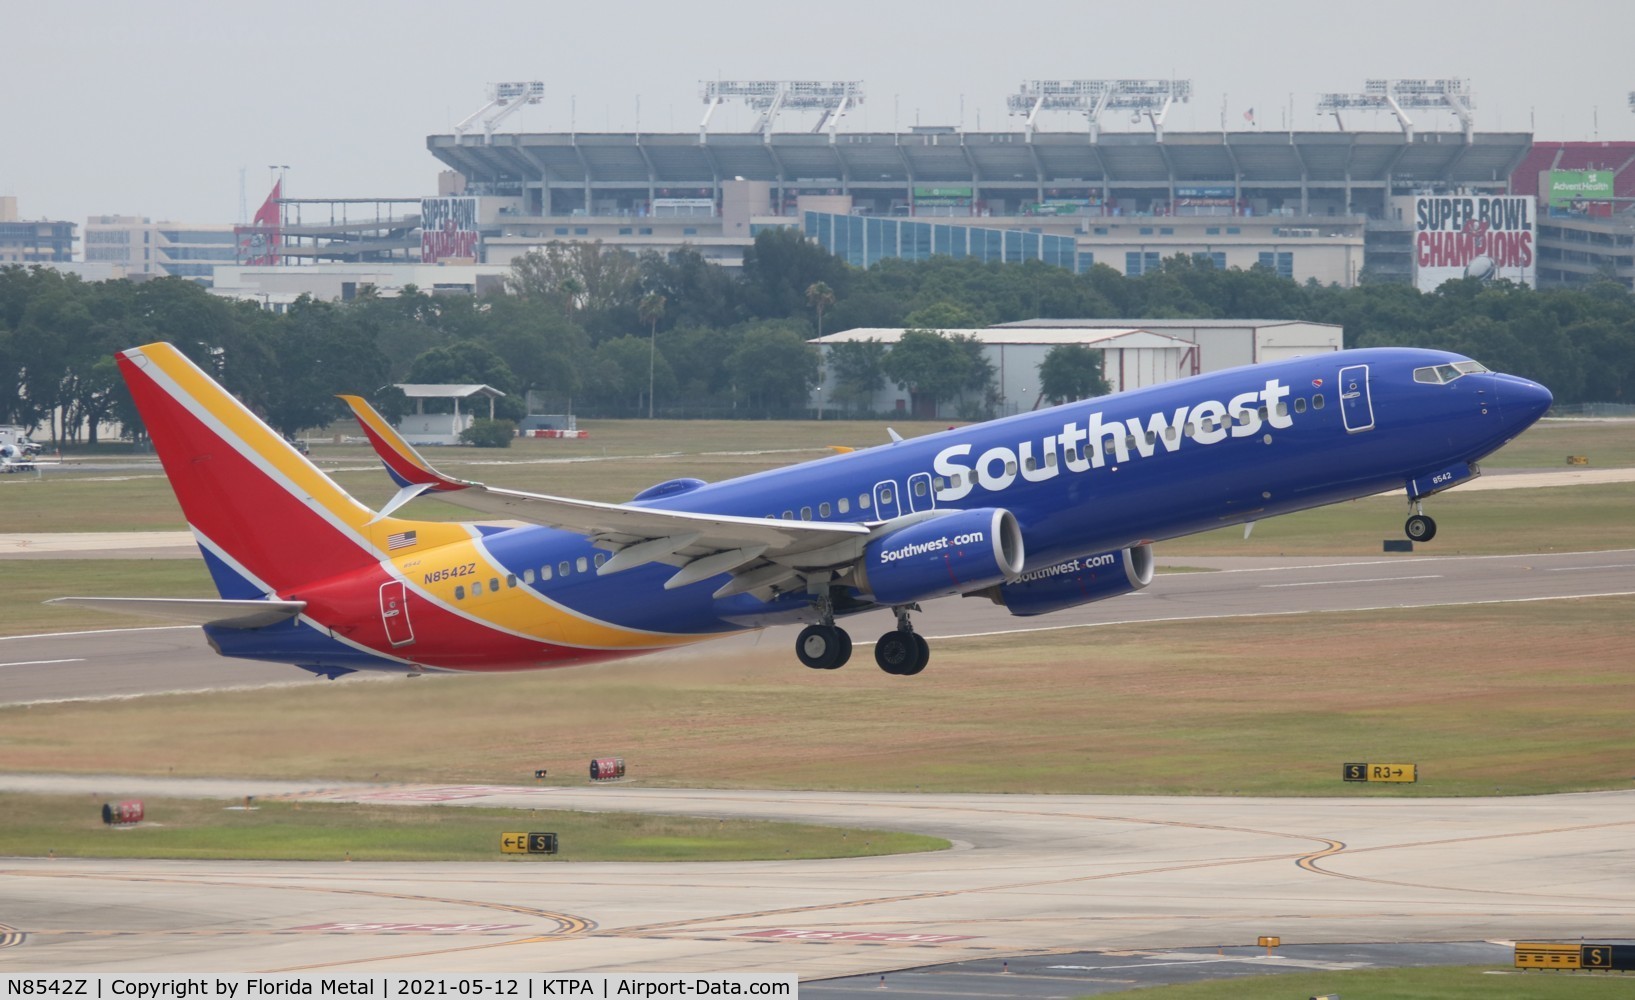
x=71 y=826
x=1508 y=699
x=1451 y=983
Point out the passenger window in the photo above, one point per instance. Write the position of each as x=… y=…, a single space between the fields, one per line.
x=845 y=505
x=544 y=573
x=1050 y=459
x=1010 y=468
x=1283 y=409
x=601 y=557
x=528 y=575
x=1029 y=464
x=788 y=515
x=823 y=509
x=1300 y=405
x=1152 y=438
x=459 y=593
x=476 y=588
x=806 y=513
x=493 y=585
x=863 y=501
x=562 y=568
x=1317 y=401
x=510 y=579
x=885 y=496
x=581 y=564
x=919 y=487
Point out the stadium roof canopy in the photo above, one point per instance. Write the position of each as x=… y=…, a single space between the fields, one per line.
x=862 y=159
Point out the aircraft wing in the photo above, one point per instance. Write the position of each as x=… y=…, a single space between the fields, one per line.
x=760 y=552
x=194 y=611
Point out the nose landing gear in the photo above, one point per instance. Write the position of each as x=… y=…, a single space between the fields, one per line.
x=1420 y=527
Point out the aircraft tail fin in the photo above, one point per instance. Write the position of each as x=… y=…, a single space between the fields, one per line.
x=266 y=518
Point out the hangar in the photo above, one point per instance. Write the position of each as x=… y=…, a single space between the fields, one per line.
x=1135 y=353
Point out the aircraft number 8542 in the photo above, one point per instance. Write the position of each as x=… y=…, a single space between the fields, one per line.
x=449 y=572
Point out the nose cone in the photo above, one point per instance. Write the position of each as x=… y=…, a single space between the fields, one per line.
x=1523 y=401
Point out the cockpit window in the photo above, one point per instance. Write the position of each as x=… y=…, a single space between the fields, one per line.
x=1443 y=374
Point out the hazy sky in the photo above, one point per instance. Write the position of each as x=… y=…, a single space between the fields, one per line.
x=172 y=109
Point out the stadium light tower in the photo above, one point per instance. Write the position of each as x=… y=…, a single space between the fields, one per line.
x=1093 y=97
x=503 y=101
x=833 y=98
x=1396 y=96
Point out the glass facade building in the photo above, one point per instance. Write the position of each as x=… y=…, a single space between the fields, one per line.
x=862 y=240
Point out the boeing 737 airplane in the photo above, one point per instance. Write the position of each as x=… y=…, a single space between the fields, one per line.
x=1037 y=512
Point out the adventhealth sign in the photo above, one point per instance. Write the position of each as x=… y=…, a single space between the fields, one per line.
x=1567 y=186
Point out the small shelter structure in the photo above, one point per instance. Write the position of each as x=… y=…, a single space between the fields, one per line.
x=421 y=427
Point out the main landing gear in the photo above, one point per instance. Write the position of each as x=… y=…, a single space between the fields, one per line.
x=826 y=646
x=1420 y=527
x=903 y=651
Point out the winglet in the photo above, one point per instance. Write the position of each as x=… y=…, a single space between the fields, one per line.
x=402 y=462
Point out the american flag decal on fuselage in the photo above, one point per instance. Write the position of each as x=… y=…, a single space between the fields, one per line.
x=399 y=540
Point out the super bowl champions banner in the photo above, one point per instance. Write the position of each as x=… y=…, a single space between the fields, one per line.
x=1474 y=236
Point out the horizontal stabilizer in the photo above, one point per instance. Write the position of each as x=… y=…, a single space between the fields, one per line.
x=194 y=611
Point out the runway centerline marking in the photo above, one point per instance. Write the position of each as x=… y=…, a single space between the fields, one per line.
x=37 y=663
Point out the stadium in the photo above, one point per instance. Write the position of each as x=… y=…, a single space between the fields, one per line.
x=1338 y=207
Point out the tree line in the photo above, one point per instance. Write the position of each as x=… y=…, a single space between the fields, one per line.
x=614 y=334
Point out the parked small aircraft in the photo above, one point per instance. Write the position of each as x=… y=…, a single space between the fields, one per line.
x=1037 y=512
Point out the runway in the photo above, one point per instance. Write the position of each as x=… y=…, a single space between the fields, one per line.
x=1029 y=875
x=128 y=662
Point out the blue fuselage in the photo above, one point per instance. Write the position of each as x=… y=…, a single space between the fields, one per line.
x=1100 y=474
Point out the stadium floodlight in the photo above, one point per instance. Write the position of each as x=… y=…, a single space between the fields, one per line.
x=769 y=97
x=503 y=101
x=1092 y=98
x=1396 y=96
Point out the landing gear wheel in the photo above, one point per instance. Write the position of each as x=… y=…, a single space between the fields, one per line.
x=1420 y=528
x=823 y=647
x=922 y=657
x=898 y=653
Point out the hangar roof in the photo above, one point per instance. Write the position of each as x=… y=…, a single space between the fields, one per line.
x=1130 y=337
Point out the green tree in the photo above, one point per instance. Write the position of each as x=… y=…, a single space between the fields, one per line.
x=820 y=297
x=1070 y=372
x=859 y=370
x=936 y=368
x=775 y=370
x=779 y=268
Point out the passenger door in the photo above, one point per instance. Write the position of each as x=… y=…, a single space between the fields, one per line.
x=886 y=503
x=1356 y=406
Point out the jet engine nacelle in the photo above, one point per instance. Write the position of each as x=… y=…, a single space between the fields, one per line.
x=1076 y=581
x=947 y=553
